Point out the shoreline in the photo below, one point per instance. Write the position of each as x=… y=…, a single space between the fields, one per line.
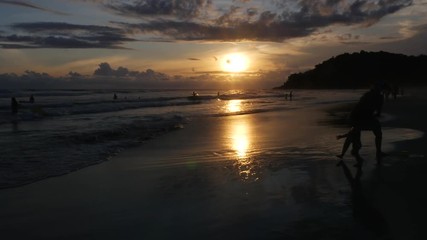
x=269 y=175
x=241 y=177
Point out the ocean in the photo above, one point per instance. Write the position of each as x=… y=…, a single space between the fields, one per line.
x=66 y=130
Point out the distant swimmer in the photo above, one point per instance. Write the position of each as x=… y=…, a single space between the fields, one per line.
x=115 y=96
x=195 y=94
x=14 y=105
x=31 y=99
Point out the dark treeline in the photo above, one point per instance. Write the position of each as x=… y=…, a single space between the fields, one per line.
x=361 y=70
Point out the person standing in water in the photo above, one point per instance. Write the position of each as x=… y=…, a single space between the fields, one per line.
x=14 y=105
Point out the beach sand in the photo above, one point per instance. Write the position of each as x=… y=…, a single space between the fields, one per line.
x=397 y=188
x=257 y=176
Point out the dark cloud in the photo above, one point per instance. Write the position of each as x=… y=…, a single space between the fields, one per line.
x=64 y=35
x=238 y=23
x=191 y=20
x=105 y=70
x=107 y=77
x=347 y=37
x=104 y=77
x=30 y=5
x=264 y=29
x=323 y=13
x=142 y=8
x=74 y=74
x=14 y=46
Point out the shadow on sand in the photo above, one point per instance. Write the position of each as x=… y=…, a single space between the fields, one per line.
x=363 y=211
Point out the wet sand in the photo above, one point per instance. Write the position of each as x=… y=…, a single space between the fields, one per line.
x=262 y=176
x=397 y=188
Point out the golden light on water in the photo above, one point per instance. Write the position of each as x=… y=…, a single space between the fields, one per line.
x=240 y=140
x=241 y=143
x=234 y=106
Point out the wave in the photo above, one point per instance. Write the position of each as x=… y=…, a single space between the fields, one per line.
x=28 y=156
x=60 y=105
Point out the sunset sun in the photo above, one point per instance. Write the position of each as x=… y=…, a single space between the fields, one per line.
x=235 y=63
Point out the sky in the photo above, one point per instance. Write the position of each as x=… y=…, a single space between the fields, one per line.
x=194 y=43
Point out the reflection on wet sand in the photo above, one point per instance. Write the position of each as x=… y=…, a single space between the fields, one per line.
x=363 y=210
x=240 y=142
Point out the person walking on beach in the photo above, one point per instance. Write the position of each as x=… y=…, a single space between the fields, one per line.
x=364 y=117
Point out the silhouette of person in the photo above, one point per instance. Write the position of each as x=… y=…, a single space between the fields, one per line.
x=362 y=209
x=351 y=137
x=363 y=117
x=290 y=95
x=14 y=105
x=115 y=96
x=31 y=99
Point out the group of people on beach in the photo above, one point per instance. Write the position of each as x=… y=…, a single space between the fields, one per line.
x=364 y=116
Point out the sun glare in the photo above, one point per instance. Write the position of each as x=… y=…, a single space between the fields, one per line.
x=235 y=62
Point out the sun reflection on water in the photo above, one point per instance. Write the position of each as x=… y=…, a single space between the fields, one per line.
x=240 y=142
x=234 y=106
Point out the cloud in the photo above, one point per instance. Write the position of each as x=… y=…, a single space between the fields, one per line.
x=103 y=77
x=30 y=5
x=201 y=20
x=107 y=77
x=242 y=22
x=183 y=9
x=74 y=74
x=190 y=31
x=64 y=35
x=105 y=70
x=14 y=46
